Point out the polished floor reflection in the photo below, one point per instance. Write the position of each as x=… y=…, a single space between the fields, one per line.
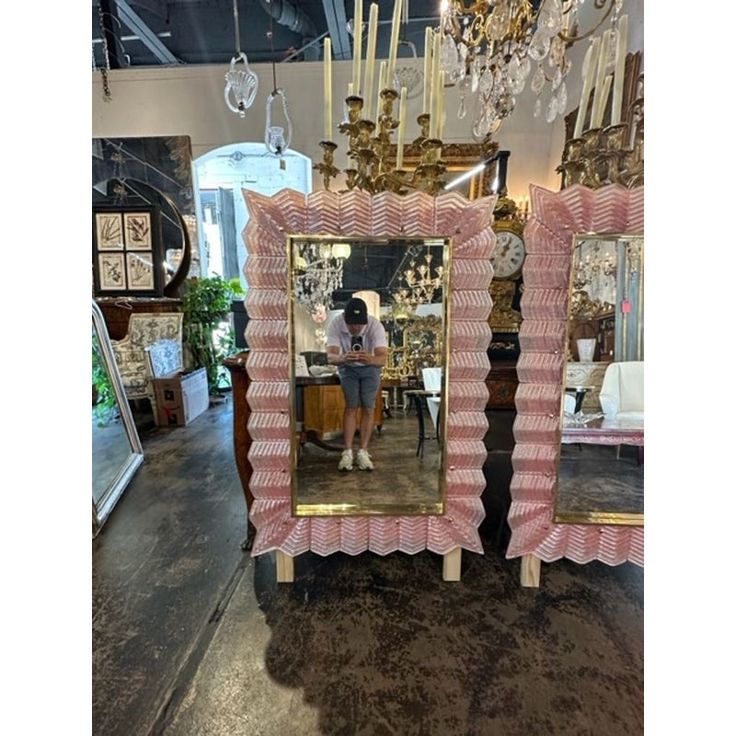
x=593 y=479
x=399 y=477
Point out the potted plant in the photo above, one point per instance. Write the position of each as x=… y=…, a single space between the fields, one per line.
x=104 y=402
x=207 y=329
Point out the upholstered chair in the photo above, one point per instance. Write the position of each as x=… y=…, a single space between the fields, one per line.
x=144 y=329
x=622 y=392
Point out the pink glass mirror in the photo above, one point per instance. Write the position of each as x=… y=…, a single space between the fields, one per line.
x=550 y=235
x=355 y=217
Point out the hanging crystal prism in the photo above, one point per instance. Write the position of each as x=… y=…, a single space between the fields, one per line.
x=241 y=86
x=538 y=80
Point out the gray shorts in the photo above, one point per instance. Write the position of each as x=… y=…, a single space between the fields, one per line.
x=360 y=384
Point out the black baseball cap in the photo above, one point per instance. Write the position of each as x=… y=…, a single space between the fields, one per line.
x=356 y=312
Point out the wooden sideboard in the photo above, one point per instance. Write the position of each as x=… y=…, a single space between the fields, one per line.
x=324 y=405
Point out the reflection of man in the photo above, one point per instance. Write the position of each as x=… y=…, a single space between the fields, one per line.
x=356 y=342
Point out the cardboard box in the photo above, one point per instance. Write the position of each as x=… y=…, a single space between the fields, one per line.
x=180 y=397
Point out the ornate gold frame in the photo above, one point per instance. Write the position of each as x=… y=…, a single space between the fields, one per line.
x=327 y=509
x=457 y=157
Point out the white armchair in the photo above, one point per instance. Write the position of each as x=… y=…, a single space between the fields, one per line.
x=622 y=393
x=432 y=379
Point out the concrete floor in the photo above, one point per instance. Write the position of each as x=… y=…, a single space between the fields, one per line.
x=193 y=637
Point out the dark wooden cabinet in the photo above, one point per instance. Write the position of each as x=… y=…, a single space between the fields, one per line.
x=117 y=311
x=502 y=382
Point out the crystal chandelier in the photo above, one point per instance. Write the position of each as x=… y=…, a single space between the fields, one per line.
x=421 y=285
x=491 y=47
x=594 y=282
x=319 y=271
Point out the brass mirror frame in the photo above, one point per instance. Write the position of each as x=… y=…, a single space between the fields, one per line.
x=386 y=215
x=101 y=510
x=386 y=509
x=548 y=235
x=593 y=517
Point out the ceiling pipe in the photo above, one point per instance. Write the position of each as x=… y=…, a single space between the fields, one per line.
x=285 y=13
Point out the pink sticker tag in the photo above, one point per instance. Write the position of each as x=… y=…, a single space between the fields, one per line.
x=625 y=306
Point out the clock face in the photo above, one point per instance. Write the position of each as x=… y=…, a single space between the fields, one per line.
x=509 y=255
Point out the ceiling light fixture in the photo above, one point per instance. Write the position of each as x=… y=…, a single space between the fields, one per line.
x=241 y=84
x=489 y=50
x=277 y=137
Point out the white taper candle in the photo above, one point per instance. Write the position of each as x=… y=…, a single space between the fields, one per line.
x=370 y=61
x=600 y=76
x=328 y=88
x=357 y=44
x=590 y=65
x=604 y=99
x=393 y=48
x=622 y=39
x=402 y=129
x=427 y=70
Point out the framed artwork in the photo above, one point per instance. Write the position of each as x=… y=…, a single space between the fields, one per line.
x=127 y=251
x=137 y=230
x=111 y=271
x=139 y=269
x=109 y=229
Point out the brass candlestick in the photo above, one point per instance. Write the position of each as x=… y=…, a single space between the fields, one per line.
x=611 y=155
x=350 y=127
x=603 y=156
x=326 y=167
x=369 y=145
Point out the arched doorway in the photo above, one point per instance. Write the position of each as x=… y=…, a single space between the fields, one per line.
x=219 y=177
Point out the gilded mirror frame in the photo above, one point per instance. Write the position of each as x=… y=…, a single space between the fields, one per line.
x=549 y=235
x=357 y=214
x=101 y=510
x=423 y=324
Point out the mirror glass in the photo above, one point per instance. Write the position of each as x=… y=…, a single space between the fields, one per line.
x=378 y=367
x=132 y=192
x=116 y=448
x=601 y=468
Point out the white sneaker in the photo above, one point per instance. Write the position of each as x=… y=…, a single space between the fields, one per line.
x=346 y=461
x=364 y=460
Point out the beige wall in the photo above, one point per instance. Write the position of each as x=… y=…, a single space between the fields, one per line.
x=189 y=101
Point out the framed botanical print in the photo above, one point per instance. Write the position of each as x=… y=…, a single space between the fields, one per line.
x=137 y=230
x=109 y=230
x=111 y=269
x=127 y=251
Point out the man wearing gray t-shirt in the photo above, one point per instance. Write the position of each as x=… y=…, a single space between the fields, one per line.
x=356 y=342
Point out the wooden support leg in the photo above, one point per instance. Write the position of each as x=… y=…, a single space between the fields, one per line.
x=451 y=565
x=530 y=571
x=284 y=568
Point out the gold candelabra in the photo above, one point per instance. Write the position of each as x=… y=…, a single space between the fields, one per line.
x=610 y=155
x=369 y=147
